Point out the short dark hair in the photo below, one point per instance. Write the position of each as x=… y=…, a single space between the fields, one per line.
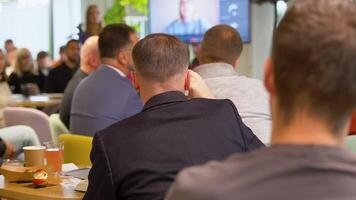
x=71 y=41
x=158 y=57
x=62 y=49
x=314 y=56
x=9 y=41
x=113 y=39
x=221 y=43
x=41 y=55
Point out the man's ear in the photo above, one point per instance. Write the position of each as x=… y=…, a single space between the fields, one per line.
x=269 y=76
x=121 y=58
x=135 y=83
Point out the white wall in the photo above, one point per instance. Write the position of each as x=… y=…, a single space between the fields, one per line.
x=27 y=26
x=66 y=17
x=30 y=26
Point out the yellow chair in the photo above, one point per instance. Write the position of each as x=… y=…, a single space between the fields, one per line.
x=76 y=149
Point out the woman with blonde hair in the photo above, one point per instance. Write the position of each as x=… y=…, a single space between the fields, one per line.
x=25 y=78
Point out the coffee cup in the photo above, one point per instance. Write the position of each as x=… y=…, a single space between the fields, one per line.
x=34 y=156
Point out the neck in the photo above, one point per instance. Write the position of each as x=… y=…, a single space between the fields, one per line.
x=86 y=68
x=150 y=89
x=70 y=64
x=113 y=62
x=305 y=130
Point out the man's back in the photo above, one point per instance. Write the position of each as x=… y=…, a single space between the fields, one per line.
x=248 y=95
x=278 y=172
x=139 y=157
x=66 y=105
x=102 y=99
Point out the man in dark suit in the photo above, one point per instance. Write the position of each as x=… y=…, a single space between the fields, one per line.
x=139 y=157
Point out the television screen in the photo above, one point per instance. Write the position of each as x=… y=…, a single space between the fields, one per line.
x=190 y=19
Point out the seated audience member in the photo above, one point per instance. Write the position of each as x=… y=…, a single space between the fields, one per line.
x=5 y=92
x=25 y=78
x=107 y=95
x=62 y=57
x=9 y=45
x=10 y=61
x=43 y=62
x=13 y=139
x=89 y=62
x=138 y=158
x=220 y=51
x=59 y=77
x=311 y=80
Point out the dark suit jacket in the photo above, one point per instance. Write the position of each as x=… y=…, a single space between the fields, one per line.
x=58 y=78
x=139 y=157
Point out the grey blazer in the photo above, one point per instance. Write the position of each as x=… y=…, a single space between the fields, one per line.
x=103 y=98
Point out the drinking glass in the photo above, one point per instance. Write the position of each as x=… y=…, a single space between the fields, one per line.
x=54 y=156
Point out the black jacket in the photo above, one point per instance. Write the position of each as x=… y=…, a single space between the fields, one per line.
x=139 y=157
x=58 y=78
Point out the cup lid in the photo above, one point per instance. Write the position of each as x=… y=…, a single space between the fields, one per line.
x=34 y=148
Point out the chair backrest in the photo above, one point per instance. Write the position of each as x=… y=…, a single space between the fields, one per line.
x=76 y=149
x=57 y=127
x=353 y=124
x=350 y=142
x=33 y=118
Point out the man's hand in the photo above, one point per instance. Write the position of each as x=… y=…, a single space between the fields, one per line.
x=9 y=151
x=198 y=87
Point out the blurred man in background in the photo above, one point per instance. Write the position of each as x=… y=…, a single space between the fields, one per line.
x=89 y=62
x=59 y=77
x=219 y=55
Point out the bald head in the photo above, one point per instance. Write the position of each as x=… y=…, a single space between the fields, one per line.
x=89 y=55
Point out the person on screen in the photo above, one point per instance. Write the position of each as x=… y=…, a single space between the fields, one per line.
x=188 y=23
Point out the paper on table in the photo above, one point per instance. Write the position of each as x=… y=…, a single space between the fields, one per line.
x=69 y=167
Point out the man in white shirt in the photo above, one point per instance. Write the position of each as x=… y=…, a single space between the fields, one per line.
x=220 y=52
x=107 y=95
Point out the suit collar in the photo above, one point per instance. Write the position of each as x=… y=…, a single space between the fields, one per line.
x=115 y=69
x=164 y=98
x=214 y=70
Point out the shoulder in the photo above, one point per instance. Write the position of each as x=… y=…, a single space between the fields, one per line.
x=200 y=182
x=210 y=181
x=56 y=70
x=13 y=76
x=213 y=104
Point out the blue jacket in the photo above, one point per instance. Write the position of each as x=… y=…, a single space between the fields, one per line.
x=100 y=100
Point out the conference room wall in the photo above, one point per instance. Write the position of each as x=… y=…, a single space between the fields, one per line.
x=255 y=53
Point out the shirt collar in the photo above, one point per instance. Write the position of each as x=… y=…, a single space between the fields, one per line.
x=164 y=98
x=213 y=70
x=115 y=69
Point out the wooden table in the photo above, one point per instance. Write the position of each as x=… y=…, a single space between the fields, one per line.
x=15 y=191
x=38 y=101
